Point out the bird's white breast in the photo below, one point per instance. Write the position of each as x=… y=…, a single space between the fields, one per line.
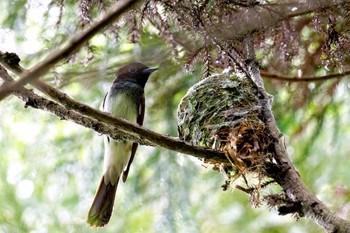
x=117 y=154
x=122 y=106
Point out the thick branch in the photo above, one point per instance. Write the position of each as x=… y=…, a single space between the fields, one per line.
x=284 y=172
x=73 y=44
x=114 y=125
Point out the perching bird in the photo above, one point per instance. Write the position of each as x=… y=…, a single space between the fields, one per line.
x=126 y=100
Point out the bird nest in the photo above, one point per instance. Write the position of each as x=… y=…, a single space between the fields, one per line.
x=223 y=112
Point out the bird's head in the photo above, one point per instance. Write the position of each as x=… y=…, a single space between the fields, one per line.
x=135 y=72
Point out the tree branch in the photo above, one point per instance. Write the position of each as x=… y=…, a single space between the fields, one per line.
x=284 y=172
x=268 y=75
x=91 y=118
x=73 y=44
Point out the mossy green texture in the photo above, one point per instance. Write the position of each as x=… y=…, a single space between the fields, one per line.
x=215 y=104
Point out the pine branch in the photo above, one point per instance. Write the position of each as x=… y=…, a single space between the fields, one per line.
x=262 y=17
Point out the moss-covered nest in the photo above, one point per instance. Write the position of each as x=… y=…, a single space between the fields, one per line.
x=223 y=112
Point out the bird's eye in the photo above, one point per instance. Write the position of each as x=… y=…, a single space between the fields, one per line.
x=132 y=69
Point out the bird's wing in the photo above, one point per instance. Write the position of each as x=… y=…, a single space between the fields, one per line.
x=141 y=114
x=104 y=101
x=140 y=118
x=102 y=108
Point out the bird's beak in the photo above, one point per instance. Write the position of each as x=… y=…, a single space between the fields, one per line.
x=149 y=70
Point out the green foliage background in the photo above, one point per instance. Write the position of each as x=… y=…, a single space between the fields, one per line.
x=50 y=168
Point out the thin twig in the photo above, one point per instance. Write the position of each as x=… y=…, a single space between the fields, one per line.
x=268 y=75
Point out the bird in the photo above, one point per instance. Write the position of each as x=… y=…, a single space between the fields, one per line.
x=124 y=99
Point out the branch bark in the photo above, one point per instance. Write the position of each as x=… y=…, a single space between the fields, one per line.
x=102 y=122
x=73 y=44
x=284 y=172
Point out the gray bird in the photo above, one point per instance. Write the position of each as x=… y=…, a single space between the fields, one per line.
x=125 y=99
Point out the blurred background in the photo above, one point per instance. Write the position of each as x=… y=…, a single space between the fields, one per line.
x=50 y=168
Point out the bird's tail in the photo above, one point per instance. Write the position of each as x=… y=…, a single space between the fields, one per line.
x=102 y=206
